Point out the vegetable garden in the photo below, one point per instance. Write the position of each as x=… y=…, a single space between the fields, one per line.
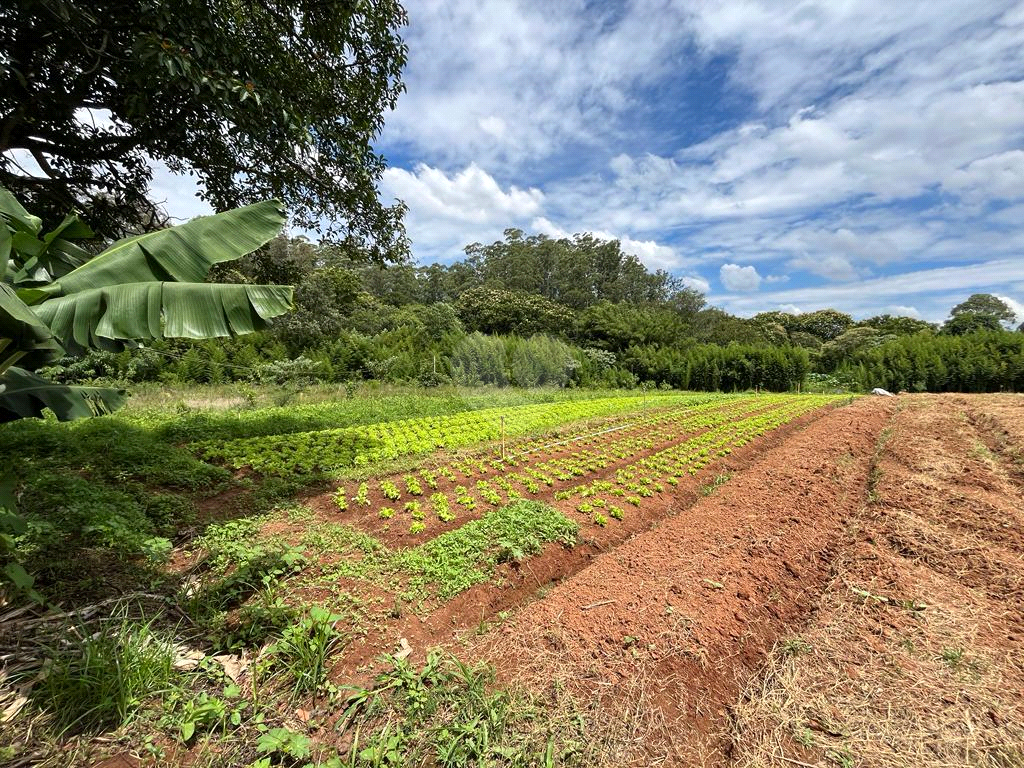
x=294 y=552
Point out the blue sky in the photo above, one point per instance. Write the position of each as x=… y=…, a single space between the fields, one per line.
x=860 y=154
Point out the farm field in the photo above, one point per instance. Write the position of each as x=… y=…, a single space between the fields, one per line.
x=649 y=579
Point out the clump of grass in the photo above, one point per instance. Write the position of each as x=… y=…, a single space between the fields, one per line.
x=100 y=681
x=446 y=713
x=303 y=650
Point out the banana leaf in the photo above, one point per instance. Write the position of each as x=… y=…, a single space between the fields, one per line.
x=24 y=338
x=183 y=254
x=106 y=317
x=25 y=395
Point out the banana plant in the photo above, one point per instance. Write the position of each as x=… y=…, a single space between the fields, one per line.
x=56 y=299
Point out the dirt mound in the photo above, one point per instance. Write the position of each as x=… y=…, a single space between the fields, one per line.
x=690 y=608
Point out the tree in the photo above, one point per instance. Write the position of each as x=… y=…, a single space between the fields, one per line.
x=826 y=324
x=970 y=322
x=897 y=325
x=841 y=348
x=54 y=298
x=985 y=304
x=500 y=311
x=273 y=99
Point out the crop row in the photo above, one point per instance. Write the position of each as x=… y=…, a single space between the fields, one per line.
x=642 y=432
x=335 y=449
x=715 y=433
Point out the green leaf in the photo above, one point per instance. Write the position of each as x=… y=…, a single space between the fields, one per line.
x=184 y=253
x=104 y=316
x=18 y=576
x=24 y=395
x=24 y=338
x=16 y=217
x=188 y=730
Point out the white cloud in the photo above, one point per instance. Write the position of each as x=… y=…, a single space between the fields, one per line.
x=1015 y=306
x=697 y=283
x=901 y=310
x=652 y=254
x=471 y=195
x=737 y=278
x=178 y=195
x=935 y=291
x=831 y=267
x=792 y=309
x=449 y=211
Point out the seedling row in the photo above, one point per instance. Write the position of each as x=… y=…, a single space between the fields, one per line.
x=337 y=449
x=684 y=440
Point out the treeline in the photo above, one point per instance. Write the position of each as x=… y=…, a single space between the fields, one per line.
x=982 y=361
x=529 y=311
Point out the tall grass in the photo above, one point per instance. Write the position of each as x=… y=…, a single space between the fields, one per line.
x=98 y=681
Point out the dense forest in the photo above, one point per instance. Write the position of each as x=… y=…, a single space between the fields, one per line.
x=534 y=310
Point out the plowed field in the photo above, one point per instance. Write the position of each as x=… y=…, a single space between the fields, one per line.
x=684 y=580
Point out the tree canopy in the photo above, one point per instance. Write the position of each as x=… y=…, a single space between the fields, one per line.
x=272 y=99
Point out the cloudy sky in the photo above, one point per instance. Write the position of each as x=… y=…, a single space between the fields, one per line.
x=862 y=154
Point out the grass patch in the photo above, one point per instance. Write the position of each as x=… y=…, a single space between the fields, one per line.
x=99 y=682
x=448 y=713
x=450 y=563
x=455 y=561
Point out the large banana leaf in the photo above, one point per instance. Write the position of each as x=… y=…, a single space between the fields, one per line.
x=103 y=316
x=24 y=395
x=183 y=254
x=24 y=338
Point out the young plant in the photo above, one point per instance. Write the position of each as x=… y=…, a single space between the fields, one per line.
x=390 y=490
x=340 y=499
x=362 y=496
x=414 y=510
x=412 y=484
x=463 y=499
x=440 y=504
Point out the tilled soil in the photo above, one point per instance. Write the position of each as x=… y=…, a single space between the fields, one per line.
x=692 y=607
x=915 y=654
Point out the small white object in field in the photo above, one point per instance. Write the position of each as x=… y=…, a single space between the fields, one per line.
x=883 y=392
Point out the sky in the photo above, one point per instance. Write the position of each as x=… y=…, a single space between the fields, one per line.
x=866 y=155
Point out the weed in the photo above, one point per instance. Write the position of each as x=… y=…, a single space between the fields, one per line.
x=804 y=737
x=720 y=480
x=795 y=646
x=100 y=681
x=303 y=649
x=953 y=657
